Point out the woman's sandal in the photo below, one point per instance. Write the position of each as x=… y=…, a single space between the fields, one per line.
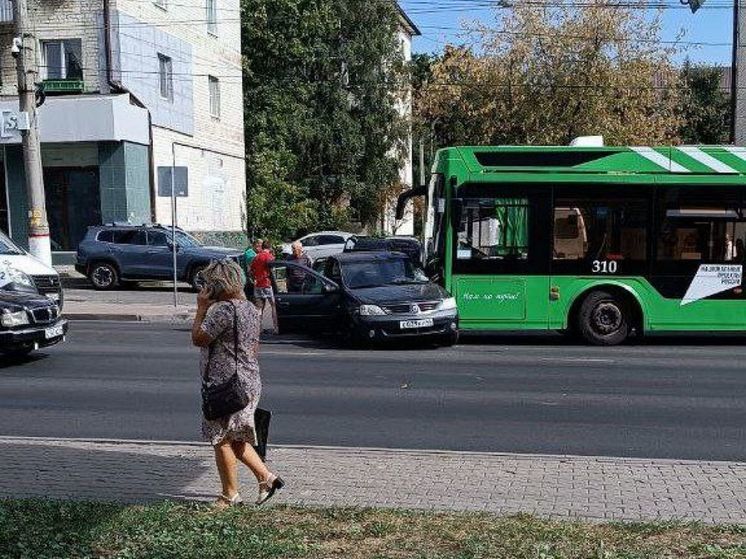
x=223 y=502
x=268 y=488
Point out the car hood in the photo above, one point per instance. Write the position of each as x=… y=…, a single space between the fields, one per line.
x=389 y=294
x=16 y=300
x=213 y=252
x=27 y=264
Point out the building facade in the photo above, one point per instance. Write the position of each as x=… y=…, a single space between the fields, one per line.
x=407 y=31
x=133 y=87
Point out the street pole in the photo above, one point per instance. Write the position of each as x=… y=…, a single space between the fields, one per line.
x=173 y=221
x=738 y=77
x=38 y=226
x=423 y=180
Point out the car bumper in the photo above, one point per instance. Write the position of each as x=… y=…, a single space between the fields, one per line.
x=379 y=328
x=35 y=335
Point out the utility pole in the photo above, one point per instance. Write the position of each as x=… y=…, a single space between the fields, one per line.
x=738 y=79
x=38 y=226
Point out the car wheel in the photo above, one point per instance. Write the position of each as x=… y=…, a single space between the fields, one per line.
x=449 y=340
x=103 y=276
x=194 y=279
x=604 y=319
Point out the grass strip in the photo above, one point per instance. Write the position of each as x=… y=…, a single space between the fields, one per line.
x=36 y=529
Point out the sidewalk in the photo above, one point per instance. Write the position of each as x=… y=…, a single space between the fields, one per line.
x=148 y=305
x=548 y=486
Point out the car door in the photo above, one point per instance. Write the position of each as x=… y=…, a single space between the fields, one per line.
x=129 y=248
x=159 y=259
x=306 y=301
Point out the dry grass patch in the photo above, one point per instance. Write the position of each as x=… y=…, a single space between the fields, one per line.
x=44 y=529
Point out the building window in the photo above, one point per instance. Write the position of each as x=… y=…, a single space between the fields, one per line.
x=214 y=96
x=166 y=77
x=62 y=60
x=212 y=16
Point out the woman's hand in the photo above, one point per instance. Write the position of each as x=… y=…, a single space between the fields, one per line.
x=204 y=301
x=200 y=338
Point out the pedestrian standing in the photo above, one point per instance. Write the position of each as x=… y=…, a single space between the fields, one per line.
x=297 y=276
x=227 y=329
x=249 y=254
x=261 y=275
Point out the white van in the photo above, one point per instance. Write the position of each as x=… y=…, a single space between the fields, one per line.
x=46 y=278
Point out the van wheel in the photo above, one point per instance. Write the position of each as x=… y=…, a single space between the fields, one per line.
x=604 y=319
x=103 y=276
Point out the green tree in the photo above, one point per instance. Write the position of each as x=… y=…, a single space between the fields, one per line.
x=706 y=107
x=544 y=73
x=322 y=80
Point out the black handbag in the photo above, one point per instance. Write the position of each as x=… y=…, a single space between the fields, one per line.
x=224 y=399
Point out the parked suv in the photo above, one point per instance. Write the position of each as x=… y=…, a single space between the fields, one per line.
x=112 y=255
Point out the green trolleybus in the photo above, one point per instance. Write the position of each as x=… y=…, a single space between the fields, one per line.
x=602 y=241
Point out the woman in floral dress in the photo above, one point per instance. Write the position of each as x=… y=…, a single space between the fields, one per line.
x=220 y=305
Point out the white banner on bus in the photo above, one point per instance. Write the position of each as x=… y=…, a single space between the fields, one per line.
x=712 y=279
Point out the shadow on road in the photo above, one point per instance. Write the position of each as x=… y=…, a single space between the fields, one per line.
x=7 y=361
x=37 y=470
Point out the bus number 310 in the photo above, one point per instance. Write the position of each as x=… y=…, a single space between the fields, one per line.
x=605 y=266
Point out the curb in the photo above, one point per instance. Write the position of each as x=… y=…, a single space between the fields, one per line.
x=168 y=319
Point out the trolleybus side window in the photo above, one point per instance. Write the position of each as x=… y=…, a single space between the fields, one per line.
x=702 y=224
x=607 y=233
x=493 y=229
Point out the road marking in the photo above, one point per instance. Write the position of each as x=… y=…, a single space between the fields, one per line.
x=304 y=353
x=576 y=359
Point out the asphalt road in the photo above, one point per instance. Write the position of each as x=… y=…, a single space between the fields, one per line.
x=664 y=399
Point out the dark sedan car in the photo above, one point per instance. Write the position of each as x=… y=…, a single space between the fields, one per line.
x=112 y=255
x=28 y=320
x=373 y=296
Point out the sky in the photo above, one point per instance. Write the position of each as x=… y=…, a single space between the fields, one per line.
x=711 y=27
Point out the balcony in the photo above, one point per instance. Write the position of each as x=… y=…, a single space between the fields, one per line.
x=61 y=87
x=6 y=11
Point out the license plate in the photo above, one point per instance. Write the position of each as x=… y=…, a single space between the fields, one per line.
x=54 y=332
x=413 y=324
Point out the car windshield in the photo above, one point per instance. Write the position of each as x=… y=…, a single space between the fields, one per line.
x=185 y=240
x=7 y=246
x=381 y=271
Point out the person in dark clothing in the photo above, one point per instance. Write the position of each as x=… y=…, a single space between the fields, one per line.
x=296 y=276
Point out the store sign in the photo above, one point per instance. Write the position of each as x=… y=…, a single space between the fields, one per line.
x=11 y=125
x=712 y=279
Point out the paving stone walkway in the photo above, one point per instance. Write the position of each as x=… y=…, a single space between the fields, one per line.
x=549 y=486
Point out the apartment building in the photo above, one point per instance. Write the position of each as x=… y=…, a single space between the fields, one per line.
x=406 y=33
x=132 y=88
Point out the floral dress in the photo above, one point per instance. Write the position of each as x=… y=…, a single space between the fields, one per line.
x=218 y=324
